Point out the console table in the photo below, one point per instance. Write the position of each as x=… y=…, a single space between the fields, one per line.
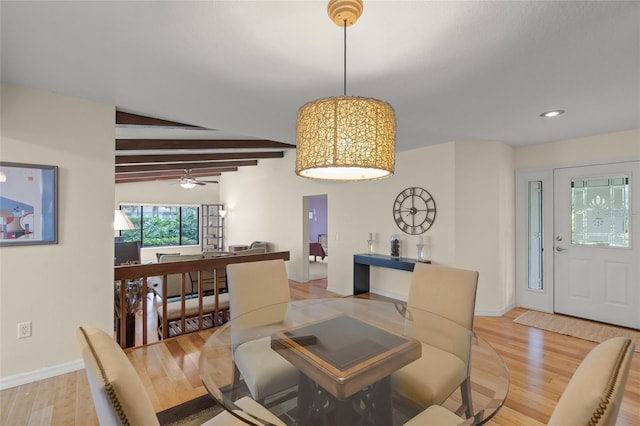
x=362 y=262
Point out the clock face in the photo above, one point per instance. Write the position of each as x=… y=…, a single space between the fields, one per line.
x=414 y=210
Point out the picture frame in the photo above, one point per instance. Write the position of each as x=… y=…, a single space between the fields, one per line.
x=28 y=204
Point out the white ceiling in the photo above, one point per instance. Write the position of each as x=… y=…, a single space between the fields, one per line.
x=453 y=70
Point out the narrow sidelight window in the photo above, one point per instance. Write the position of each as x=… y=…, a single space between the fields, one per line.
x=535 y=235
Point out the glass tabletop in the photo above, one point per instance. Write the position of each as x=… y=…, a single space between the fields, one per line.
x=343 y=354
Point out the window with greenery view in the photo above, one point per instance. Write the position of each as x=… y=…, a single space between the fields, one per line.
x=162 y=225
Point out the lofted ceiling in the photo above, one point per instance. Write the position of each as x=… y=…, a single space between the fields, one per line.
x=236 y=72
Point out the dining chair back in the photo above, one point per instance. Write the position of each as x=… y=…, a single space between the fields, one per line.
x=254 y=285
x=448 y=296
x=592 y=397
x=259 y=287
x=594 y=393
x=120 y=397
x=441 y=303
x=445 y=291
x=118 y=393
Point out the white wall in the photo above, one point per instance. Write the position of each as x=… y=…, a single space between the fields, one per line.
x=265 y=203
x=165 y=193
x=484 y=225
x=612 y=147
x=58 y=287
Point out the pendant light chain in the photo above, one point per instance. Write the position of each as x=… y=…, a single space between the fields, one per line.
x=345 y=59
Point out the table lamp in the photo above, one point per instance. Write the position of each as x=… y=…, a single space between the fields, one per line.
x=121 y=223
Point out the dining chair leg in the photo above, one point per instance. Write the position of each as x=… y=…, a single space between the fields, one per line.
x=467 y=403
x=236 y=382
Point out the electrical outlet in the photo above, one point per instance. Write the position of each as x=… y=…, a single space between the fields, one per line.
x=24 y=329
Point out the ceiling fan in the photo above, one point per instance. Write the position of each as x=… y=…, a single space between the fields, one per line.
x=188 y=181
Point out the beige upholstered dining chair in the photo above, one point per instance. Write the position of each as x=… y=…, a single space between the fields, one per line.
x=259 y=285
x=594 y=393
x=447 y=297
x=592 y=396
x=120 y=397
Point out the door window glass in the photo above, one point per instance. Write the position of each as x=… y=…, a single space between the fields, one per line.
x=600 y=211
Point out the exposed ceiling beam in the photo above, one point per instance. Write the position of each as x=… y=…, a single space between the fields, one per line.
x=176 y=158
x=141 y=120
x=156 y=176
x=159 y=159
x=139 y=144
x=210 y=165
x=147 y=179
x=177 y=173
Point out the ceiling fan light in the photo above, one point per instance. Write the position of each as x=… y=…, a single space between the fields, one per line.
x=345 y=138
x=187 y=185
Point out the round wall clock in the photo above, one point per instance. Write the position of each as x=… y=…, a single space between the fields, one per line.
x=414 y=210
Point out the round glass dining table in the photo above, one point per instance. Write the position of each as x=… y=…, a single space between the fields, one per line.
x=344 y=355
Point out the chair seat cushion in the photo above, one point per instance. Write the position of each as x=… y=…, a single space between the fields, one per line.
x=264 y=371
x=174 y=309
x=430 y=379
x=435 y=415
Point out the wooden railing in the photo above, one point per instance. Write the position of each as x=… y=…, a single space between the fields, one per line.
x=124 y=274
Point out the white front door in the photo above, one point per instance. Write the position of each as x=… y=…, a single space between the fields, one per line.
x=597 y=242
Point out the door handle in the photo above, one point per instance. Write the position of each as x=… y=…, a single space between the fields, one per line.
x=558 y=248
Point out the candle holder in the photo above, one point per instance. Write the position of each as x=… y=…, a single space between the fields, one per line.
x=370 y=246
x=420 y=252
x=395 y=246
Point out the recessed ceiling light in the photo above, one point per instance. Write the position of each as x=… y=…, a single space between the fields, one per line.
x=551 y=114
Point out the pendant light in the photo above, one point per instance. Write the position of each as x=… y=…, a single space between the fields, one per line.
x=345 y=138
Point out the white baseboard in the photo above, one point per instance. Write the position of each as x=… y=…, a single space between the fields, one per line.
x=493 y=312
x=535 y=308
x=36 y=375
x=391 y=294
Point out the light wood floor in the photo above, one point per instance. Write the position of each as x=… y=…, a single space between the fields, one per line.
x=540 y=365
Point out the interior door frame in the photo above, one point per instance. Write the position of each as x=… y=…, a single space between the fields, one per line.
x=540 y=300
x=305 y=238
x=525 y=297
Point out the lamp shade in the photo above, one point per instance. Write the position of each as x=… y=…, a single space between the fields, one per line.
x=345 y=138
x=121 y=222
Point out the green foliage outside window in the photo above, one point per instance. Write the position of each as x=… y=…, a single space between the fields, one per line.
x=162 y=225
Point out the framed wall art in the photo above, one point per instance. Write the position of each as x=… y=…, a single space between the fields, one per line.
x=28 y=204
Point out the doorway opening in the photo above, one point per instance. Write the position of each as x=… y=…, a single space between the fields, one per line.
x=316 y=237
